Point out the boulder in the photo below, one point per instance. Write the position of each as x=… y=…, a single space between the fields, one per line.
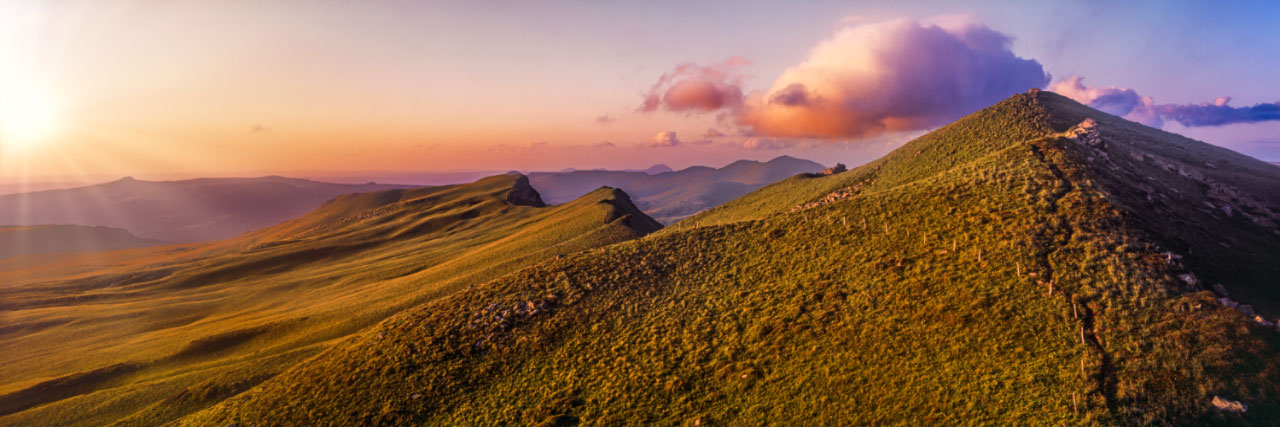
x=1228 y=405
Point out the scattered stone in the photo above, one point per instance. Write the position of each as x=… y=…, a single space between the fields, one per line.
x=1228 y=405
x=1189 y=279
x=1228 y=303
x=416 y=396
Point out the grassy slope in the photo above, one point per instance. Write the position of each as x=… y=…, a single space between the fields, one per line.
x=153 y=341
x=925 y=298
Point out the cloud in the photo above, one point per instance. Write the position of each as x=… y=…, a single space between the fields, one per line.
x=691 y=87
x=1127 y=103
x=712 y=133
x=664 y=139
x=891 y=76
x=259 y=129
x=1219 y=113
x=605 y=119
x=604 y=144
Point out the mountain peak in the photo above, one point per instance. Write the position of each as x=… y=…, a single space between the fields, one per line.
x=657 y=169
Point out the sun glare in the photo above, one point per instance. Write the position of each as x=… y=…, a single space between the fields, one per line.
x=27 y=117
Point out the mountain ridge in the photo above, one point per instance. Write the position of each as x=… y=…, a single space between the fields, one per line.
x=997 y=270
x=161 y=334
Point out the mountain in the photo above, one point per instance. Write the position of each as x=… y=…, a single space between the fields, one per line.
x=150 y=335
x=658 y=168
x=54 y=239
x=1035 y=263
x=177 y=211
x=671 y=196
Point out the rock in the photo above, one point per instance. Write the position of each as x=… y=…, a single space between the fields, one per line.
x=1227 y=302
x=1246 y=309
x=1228 y=405
x=1086 y=133
x=839 y=167
x=1220 y=290
x=1189 y=279
x=1263 y=321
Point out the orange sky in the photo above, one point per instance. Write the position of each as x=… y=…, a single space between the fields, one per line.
x=159 y=89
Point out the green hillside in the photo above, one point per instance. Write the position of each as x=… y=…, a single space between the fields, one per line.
x=1000 y=270
x=161 y=337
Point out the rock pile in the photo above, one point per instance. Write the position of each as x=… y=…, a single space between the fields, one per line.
x=1086 y=133
x=839 y=167
x=834 y=196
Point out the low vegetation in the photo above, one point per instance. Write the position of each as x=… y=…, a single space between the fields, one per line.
x=154 y=334
x=995 y=271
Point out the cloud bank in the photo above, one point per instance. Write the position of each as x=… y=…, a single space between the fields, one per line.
x=863 y=81
x=892 y=76
x=1127 y=103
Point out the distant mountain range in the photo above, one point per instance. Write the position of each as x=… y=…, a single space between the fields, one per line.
x=219 y=208
x=673 y=195
x=178 y=211
x=54 y=239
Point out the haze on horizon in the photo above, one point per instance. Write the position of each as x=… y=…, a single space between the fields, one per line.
x=157 y=90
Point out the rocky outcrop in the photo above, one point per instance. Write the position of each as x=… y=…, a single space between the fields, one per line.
x=1086 y=133
x=839 y=167
x=522 y=193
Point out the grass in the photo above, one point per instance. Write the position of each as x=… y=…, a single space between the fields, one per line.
x=163 y=332
x=991 y=272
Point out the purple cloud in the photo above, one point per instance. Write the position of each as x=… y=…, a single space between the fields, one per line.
x=1125 y=102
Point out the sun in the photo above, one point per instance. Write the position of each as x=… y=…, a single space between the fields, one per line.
x=27 y=116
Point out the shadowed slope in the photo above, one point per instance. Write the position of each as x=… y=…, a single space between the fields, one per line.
x=995 y=271
x=177 y=211
x=196 y=330
x=54 y=239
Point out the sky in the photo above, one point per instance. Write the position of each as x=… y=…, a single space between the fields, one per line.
x=93 y=90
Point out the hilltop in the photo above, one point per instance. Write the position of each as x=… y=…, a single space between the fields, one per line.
x=57 y=239
x=192 y=210
x=1025 y=265
x=669 y=196
x=157 y=333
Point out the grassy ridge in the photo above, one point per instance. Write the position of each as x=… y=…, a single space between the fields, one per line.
x=203 y=326
x=992 y=272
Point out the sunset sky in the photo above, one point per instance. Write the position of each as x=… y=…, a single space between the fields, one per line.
x=168 y=89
